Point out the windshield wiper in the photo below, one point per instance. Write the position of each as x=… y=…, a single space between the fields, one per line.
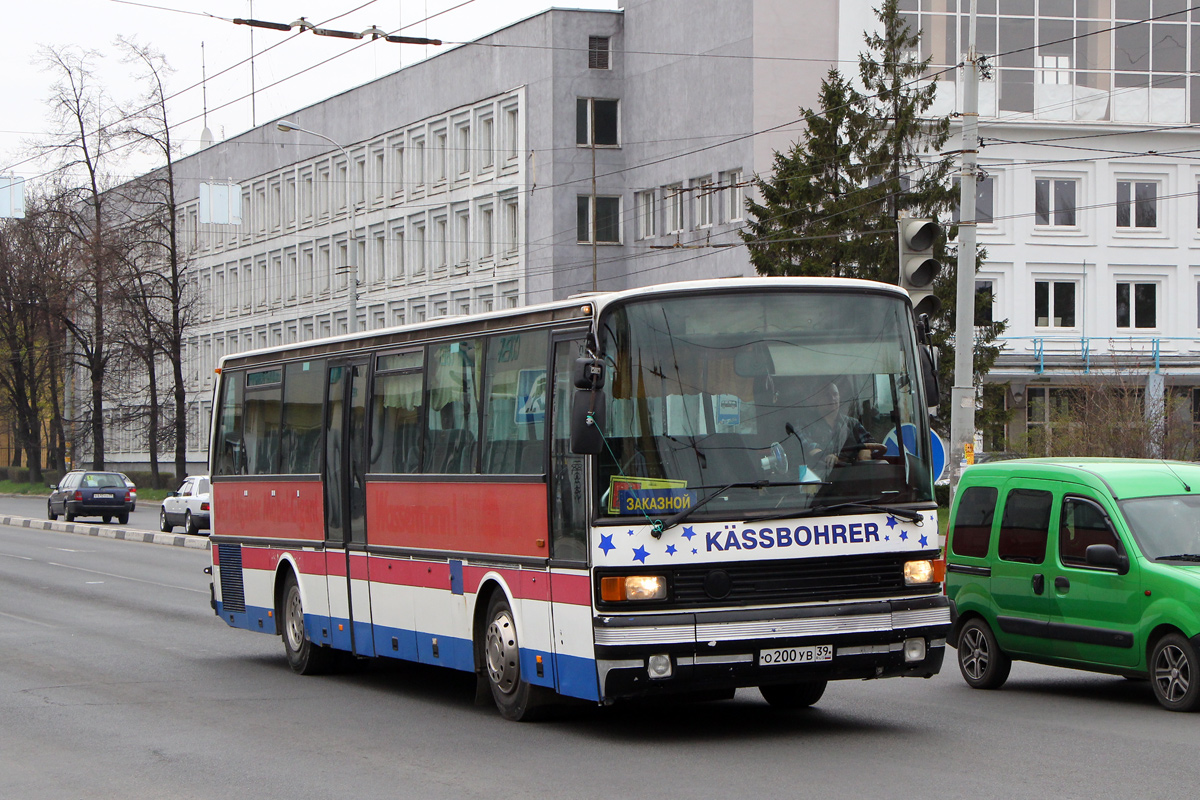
x=1180 y=557
x=871 y=505
x=672 y=521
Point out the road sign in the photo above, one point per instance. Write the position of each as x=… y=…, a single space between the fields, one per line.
x=937 y=448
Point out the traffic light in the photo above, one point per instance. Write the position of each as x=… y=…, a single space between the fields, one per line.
x=918 y=267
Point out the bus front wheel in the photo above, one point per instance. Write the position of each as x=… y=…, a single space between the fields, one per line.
x=304 y=656
x=501 y=659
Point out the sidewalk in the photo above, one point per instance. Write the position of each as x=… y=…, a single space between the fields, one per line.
x=110 y=532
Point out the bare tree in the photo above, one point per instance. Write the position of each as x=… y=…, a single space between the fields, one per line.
x=158 y=290
x=83 y=144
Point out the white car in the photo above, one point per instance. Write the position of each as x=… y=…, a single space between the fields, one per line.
x=190 y=506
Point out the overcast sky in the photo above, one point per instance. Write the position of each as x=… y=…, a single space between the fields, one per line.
x=94 y=25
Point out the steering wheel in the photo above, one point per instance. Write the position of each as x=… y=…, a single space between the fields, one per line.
x=877 y=450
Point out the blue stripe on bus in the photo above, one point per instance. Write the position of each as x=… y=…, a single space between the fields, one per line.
x=576 y=676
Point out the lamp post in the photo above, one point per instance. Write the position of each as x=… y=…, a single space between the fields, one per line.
x=351 y=240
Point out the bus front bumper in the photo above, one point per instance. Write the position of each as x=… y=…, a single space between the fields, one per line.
x=641 y=655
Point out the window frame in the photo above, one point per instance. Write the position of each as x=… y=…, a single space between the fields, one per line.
x=585 y=122
x=591 y=204
x=1051 y=213
x=1052 y=303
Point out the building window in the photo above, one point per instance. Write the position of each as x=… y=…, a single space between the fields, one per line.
x=673 y=202
x=1137 y=305
x=512 y=228
x=462 y=235
x=596 y=122
x=463 y=132
x=608 y=219
x=487 y=246
x=985 y=296
x=598 y=52
x=1054 y=304
x=1054 y=201
x=647 y=227
x=1137 y=204
x=731 y=183
x=1054 y=69
x=487 y=153
x=702 y=196
x=984 y=199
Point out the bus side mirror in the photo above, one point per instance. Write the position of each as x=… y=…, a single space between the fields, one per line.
x=588 y=373
x=929 y=369
x=587 y=418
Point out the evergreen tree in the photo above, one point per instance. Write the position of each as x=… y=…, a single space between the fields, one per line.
x=868 y=154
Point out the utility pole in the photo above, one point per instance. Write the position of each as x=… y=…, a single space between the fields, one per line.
x=962 y=408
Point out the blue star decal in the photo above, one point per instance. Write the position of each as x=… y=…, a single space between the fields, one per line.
x=688 y=532
x=670 y=549
x=924 y=541
x=891 y=523
x=640 y=554
x=606 y=543
x=631 y=531
x=904 y=536
x=887 y=538
x=693 y=551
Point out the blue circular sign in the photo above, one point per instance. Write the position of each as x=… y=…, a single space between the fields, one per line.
x=937 y=448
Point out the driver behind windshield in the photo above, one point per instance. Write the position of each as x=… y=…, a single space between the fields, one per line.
x=831 y=437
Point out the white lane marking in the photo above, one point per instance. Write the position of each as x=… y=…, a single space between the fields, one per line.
x=27 y=619
x=21 y=558
x=127 y=578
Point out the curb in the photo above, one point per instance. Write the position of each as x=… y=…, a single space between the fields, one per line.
x=109 y=532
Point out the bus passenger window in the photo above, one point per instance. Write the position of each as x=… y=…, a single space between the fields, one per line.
x=264 y=406
x=396 y=415
x=231 y=455
x=515 y=417
x=300 y=452
x=451 y=446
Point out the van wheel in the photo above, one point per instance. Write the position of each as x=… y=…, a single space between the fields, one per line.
x=793 y=695
x=501 y=659
x=304 y=656
x=1175 y=673
x=982 y=663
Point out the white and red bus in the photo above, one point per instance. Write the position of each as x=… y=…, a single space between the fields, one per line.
x=686 y=488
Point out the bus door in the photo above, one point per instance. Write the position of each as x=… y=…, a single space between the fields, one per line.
x=570 y=584
x=346 y=505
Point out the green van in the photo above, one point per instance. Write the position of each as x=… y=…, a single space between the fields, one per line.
x=1079 y=562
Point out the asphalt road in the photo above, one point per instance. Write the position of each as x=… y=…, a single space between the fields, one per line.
x=116 y=680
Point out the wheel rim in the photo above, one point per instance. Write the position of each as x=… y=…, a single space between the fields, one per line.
x=973 y=653
x=162 y=518
x=294 y=622
x=501 y=651
x=187 y=520
x=1172 y=673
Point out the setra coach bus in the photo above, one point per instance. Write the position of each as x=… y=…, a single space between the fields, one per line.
x=686 y=488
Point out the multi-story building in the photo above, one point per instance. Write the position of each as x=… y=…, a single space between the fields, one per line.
x=580 y=150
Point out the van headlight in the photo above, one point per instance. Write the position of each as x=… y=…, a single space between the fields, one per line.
x=918 y=572
x=633 y=587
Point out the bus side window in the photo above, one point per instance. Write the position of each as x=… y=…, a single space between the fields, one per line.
x=451 y=446
x=300 y=444
x=263 y=417
x=230 y=458
x=515 y=393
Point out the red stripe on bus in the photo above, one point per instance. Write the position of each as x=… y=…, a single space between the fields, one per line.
x=500 y=518
x=248 y=509
x=573 y=589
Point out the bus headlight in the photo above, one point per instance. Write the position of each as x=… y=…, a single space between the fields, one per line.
x=918 y=572
x=633 y=587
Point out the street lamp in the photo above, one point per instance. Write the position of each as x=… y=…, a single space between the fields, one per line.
x=351 y=241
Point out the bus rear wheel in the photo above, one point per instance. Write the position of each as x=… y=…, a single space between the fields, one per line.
x=501 y=660
x=793 y=695
x=304 y=656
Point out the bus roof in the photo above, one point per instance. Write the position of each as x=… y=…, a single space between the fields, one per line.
x=582 y=306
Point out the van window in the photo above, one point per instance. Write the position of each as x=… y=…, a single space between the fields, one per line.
x=1082 y=523
x=1025 y=525
x=973 y=521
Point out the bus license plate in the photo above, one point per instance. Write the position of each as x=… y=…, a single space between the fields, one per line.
x=795 y=655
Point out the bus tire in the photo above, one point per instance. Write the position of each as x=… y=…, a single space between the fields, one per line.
x=793 y=695
x=501 y=660
x=304 y=656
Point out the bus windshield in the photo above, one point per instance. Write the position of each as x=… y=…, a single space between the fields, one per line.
x=786 y=400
